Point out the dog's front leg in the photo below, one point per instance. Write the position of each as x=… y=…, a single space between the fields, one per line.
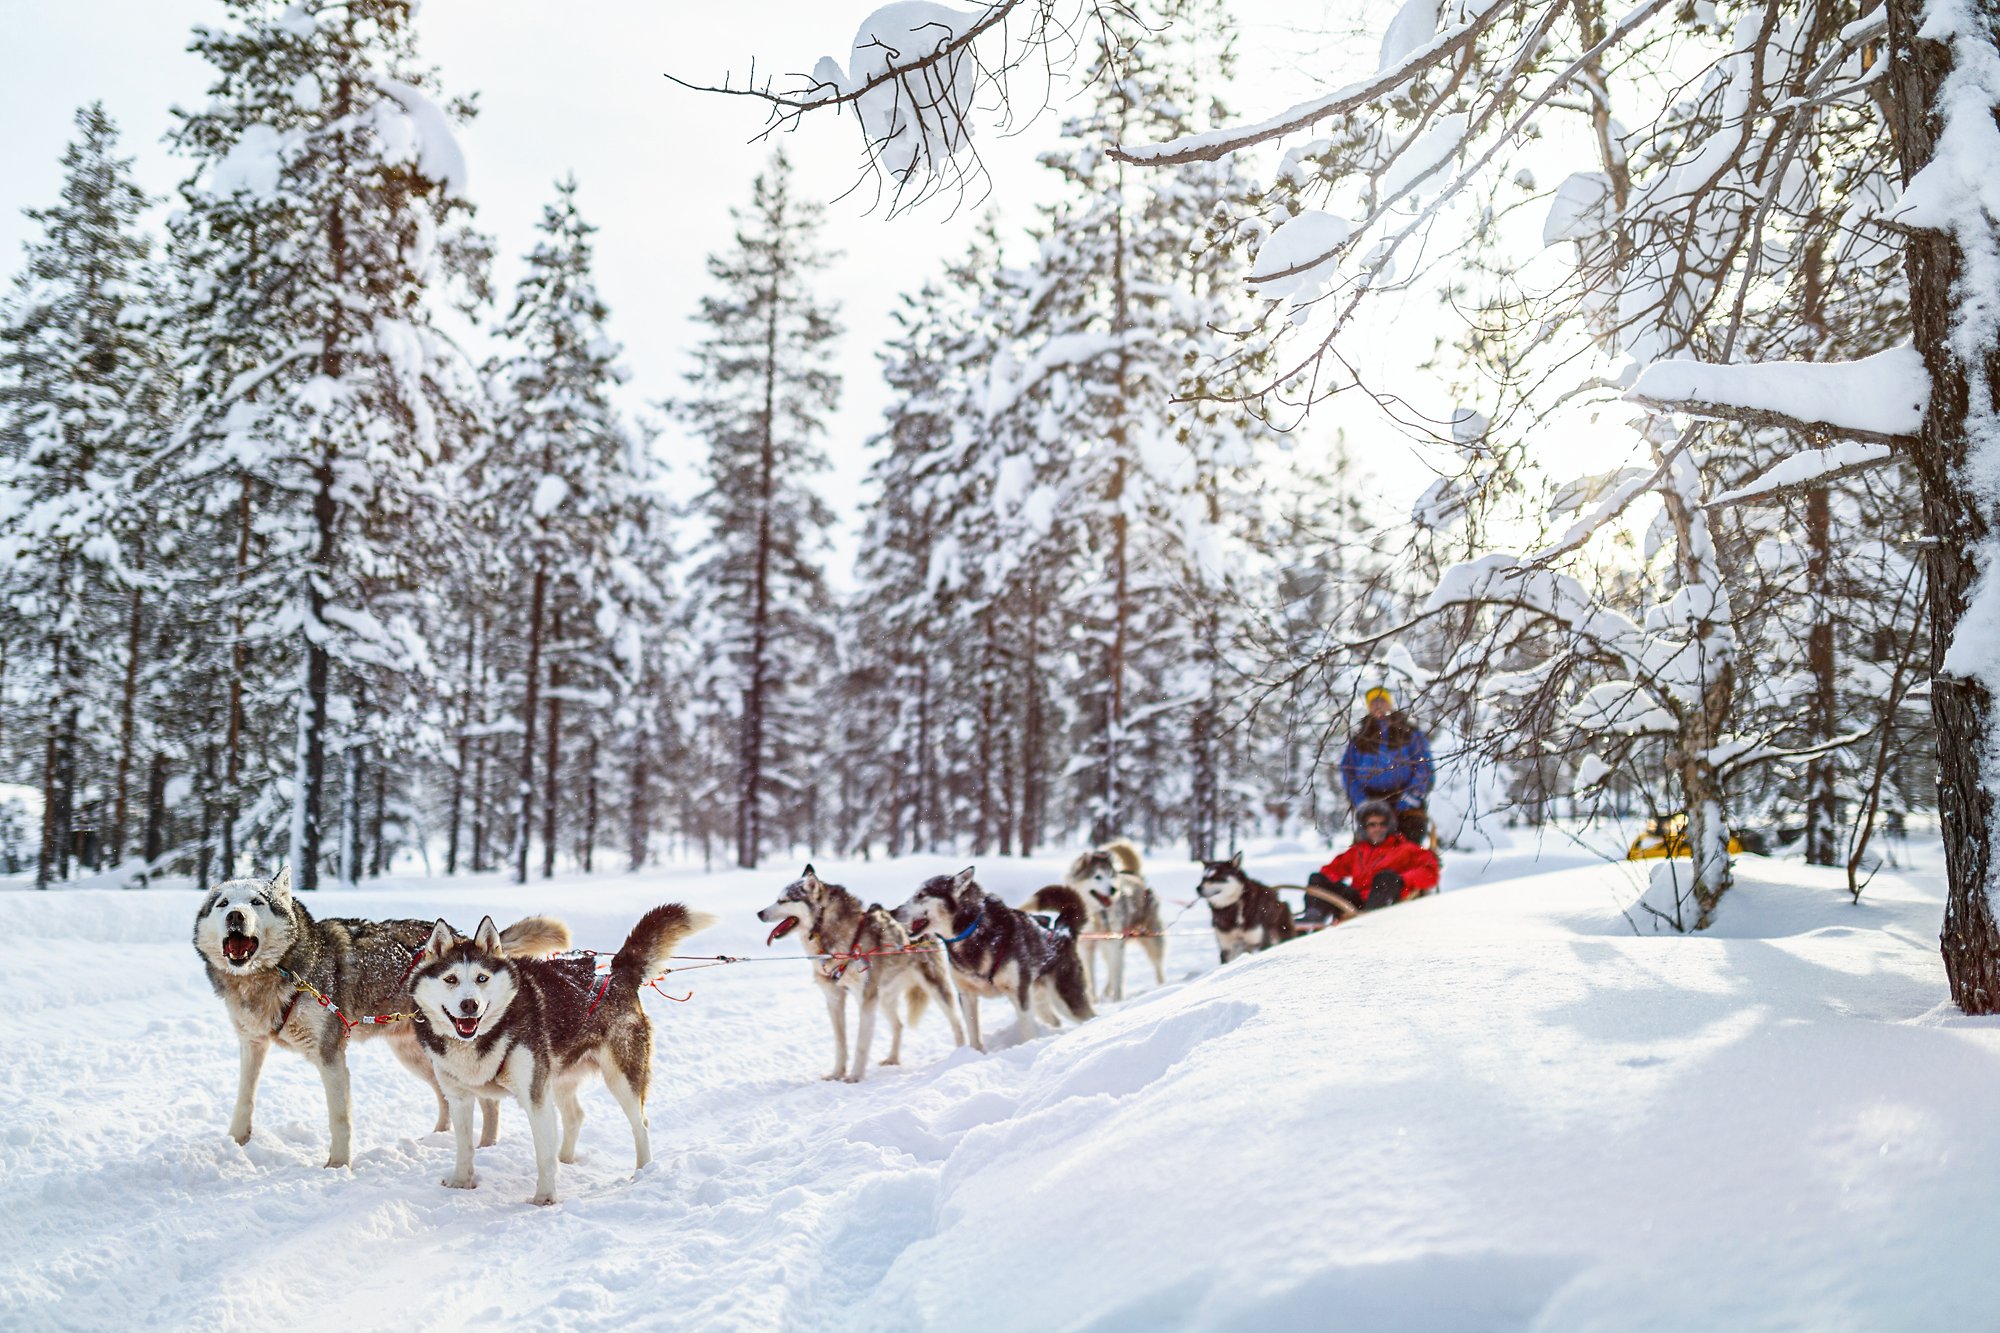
x=250 y=1053
x=868 y=1002
x=339 y=1106
x=489 y=1121
x=836 y=1012
x=461 y=1177
x=542 y=1122
x=968 y=1004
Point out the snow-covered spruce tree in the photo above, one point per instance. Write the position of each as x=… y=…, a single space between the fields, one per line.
x=561 y=477
x=322 y=218
x=761 y=389
x=84 y=389
x=1132 y=289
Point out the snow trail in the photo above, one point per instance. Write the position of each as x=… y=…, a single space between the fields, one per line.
x=1499 y=1108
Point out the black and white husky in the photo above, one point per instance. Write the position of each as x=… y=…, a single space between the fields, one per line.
x=1249 y=916
x=263 y=949
x=1000 y=950
x=1122 y=906
x=868 y=963
x=535 y=1027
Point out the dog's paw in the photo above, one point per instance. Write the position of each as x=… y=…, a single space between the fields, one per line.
x=241 y=1136
x=892 y=1059
x=853 y=1078
x=837 y=1076
x=465 y=1182
x=340 y=1160
x=566 y=1158
x=543 y=1200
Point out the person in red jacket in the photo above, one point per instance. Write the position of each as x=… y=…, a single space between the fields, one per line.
x=1381 y=868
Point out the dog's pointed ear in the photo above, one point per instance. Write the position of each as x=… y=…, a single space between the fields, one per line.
x=811 y=877
x=962 y=878
x=1236 y=861
x=487 y=937
x=442 y=938
x=281 y=884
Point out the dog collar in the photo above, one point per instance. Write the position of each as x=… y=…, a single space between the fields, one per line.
x=969 y=929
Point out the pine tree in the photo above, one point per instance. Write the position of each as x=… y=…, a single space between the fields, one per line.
x=762 y=390
x=564 y=471
x=322 y=221
x=83 y=388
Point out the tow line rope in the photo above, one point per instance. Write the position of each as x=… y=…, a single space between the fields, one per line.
x=326 y=1002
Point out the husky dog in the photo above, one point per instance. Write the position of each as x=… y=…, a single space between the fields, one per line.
x=836 y=923
x=534 y=1027
x=262 y=949
x=1000 y=950
x=1249 y=917
x=1122 y=907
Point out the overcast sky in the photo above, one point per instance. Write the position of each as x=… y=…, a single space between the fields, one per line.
x=580 y=87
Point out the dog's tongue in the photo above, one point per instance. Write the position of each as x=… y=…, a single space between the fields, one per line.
x=780 y=930
x=466 y=1027
x=236 y=948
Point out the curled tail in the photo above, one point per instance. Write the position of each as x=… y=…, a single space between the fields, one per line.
x=657 y=935
x=534 y=935
x=1067 y=904
x=1125 y=854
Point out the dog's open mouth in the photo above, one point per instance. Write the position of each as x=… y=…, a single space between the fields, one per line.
x=919 y=925
x=779 y=931
x=237 y=947
x=467 y=1028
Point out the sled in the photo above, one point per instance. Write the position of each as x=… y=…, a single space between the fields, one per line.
x=1667 y=836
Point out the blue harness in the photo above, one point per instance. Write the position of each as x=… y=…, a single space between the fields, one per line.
x=969 y=929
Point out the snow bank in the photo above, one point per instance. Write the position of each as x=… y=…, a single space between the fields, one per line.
x=1883 y=394
x=1498 y=1109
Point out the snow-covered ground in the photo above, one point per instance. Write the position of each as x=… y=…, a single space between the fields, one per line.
x=1499 y=1108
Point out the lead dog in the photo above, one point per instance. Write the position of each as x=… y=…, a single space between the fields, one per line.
x=1122 y=907
x=261 y=948
x=1000 y=950
x=535 y=1028
x=871 y=964
x=1249 y=917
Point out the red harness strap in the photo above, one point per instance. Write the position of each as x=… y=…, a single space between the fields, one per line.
x=285 y=1014
x=603 y=989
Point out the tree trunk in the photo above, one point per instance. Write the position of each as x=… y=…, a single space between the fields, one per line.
x=127 y=715
x=311 y=783
x=550 y=794
x=464 y=741
x=233 y=745
x=750 y=759
x=636 y=832
x=989 y=685
x=378 y=851
x=589 y=805
x=1822 y=807
x=530 y=702
x=156 y=811
x=1958 y=528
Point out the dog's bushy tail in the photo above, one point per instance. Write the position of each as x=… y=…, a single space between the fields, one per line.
x=1124 y=854
x=657 y=935
x=1070 y=911
x=532 y=936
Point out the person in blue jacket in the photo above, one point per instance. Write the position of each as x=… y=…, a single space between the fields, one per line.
x=1389 y=760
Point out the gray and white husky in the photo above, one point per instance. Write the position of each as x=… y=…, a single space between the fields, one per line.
x=1122 y=906
x=536 y=1027
x=870 y=967
x=1000 y=950
x=262 y=948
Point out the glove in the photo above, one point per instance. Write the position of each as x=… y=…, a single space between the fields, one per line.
x=1386 y=888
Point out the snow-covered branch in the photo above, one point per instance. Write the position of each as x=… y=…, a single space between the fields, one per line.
x=1880 y=398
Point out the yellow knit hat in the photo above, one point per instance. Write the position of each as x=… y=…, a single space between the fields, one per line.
x=1381 y=691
